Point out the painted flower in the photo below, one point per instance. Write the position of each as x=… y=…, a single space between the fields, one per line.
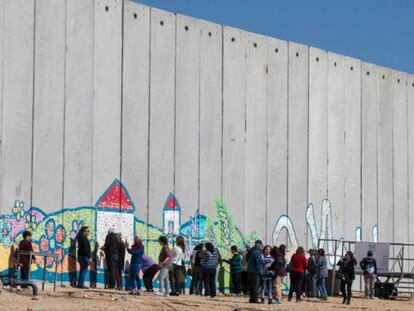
x=18 y=209
x=5 y=229
x=76 y=226
x=52 y=241
x=31 y=224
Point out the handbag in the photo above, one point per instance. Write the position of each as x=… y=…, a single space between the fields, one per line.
x=339 y=275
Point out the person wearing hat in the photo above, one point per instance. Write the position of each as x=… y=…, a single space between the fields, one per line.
x=254 y=269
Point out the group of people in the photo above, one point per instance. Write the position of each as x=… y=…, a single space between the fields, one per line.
x=258 y=271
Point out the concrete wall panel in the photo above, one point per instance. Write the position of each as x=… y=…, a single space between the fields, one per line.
x=135 y=105
x=256 y=136
x=78 y=103
x=17 y=103
x=234 y=114
x=107 y=90
x=298 y=138
x=1 y=97
x=162 y=110
x=400 y=112
x=277 y=124
x=336 y=141
x=369 y=149
x=187 y=115
x=49 y=98
x=211 y=62
x=318 y=128
x=352 y=200
x=410 y=89
x=385 y=156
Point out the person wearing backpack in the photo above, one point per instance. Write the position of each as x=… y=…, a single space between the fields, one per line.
x=369 y=266
x=321 y=274
x=310 y=275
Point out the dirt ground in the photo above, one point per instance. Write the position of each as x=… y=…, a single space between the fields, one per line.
x=72 y=299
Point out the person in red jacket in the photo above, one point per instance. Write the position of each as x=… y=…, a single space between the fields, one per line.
x=25 y=246
x=298 y=265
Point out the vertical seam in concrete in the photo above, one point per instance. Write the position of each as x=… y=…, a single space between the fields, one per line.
x=122 y=98
x=377 y=106
x=222 y=112
x=2 y=99
x=287 y=130
x=93 y=106
x=408 y=160
x=64 y=123
x=175 y=101
x=149 y=121
x=267 y=138
x=199 y=117
x=361 y=151
x=308 y=134
x=245 y=41
x=33 y=102
x=393 y=172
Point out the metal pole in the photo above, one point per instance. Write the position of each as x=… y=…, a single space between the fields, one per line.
x=44 y=271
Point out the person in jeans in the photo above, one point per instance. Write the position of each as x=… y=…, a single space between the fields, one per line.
x=347 y=273
x=279 y=268
x=322 y=274
x=165 y=266
x=369 y=266
x=254 y=268
x=84 y=254
x=111 y=255
x=236 y=268
x=197 y=279
x=136 y=251
x=209 y=262
x=149 y=268
x=267 y=276
x=298 y=265
x=25 y=245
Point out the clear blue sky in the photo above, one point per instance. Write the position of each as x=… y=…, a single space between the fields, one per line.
x=376 y=31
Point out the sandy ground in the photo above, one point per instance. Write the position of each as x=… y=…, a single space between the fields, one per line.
x=72 y=299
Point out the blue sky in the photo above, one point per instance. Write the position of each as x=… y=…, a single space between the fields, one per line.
x=376 y=31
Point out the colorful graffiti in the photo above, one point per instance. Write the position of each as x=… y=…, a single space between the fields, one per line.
x=55 y=232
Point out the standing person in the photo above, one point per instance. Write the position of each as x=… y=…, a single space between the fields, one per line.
x=369 y=266
x=245 y=275
x=136 y=251
x=84 y=254
x=176 y=276
x=235 y=263
x=111 y=254
x=298 y=264
x=322 y=273
x=347 y=275
x=121 y=261
x=197 y=281
x=311 y=275
x=254 y=268
x=165 y=266
x=209 y=262
x=25 y=245
x=266 y=277
x=280 y=272
x=149 y=268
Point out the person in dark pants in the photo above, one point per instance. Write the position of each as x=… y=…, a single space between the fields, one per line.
x=25 y=246
x=298 y=265
x=347 y=274
x=84 y=255
x=197 y=279
x=149 y=268
x=245 y=275
x=209 y=263
x=121 y=261
x=111 y=254
x=235 y=269
x=311 y=275
x=255 y=269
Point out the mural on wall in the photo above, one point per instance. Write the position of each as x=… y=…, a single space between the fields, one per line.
x=56 y=232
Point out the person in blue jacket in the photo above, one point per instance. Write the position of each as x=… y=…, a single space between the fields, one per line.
x=137 y=252
x=255 y=270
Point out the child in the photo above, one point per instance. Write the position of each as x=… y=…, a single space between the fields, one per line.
x=26 y=246
x=267 y=276
x=235 y=269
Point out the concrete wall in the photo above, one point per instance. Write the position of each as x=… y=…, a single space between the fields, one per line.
x=189 y=127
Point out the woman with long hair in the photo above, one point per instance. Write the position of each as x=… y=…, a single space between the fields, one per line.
x=177 y=276
x=209 y=263
x=298 y=264
x=321 y=273
x=136 y=251
x=165 y=265
x=347 y=275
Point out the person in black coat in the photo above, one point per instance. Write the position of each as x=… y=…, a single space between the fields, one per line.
x=347 y=275
x=121 y=261
x=84 y=254
x=110 y=249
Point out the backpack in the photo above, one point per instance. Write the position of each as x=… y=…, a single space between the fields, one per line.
x=369 y=267
x=311 y=266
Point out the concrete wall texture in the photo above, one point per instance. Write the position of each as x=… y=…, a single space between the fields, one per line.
x=109 y=108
